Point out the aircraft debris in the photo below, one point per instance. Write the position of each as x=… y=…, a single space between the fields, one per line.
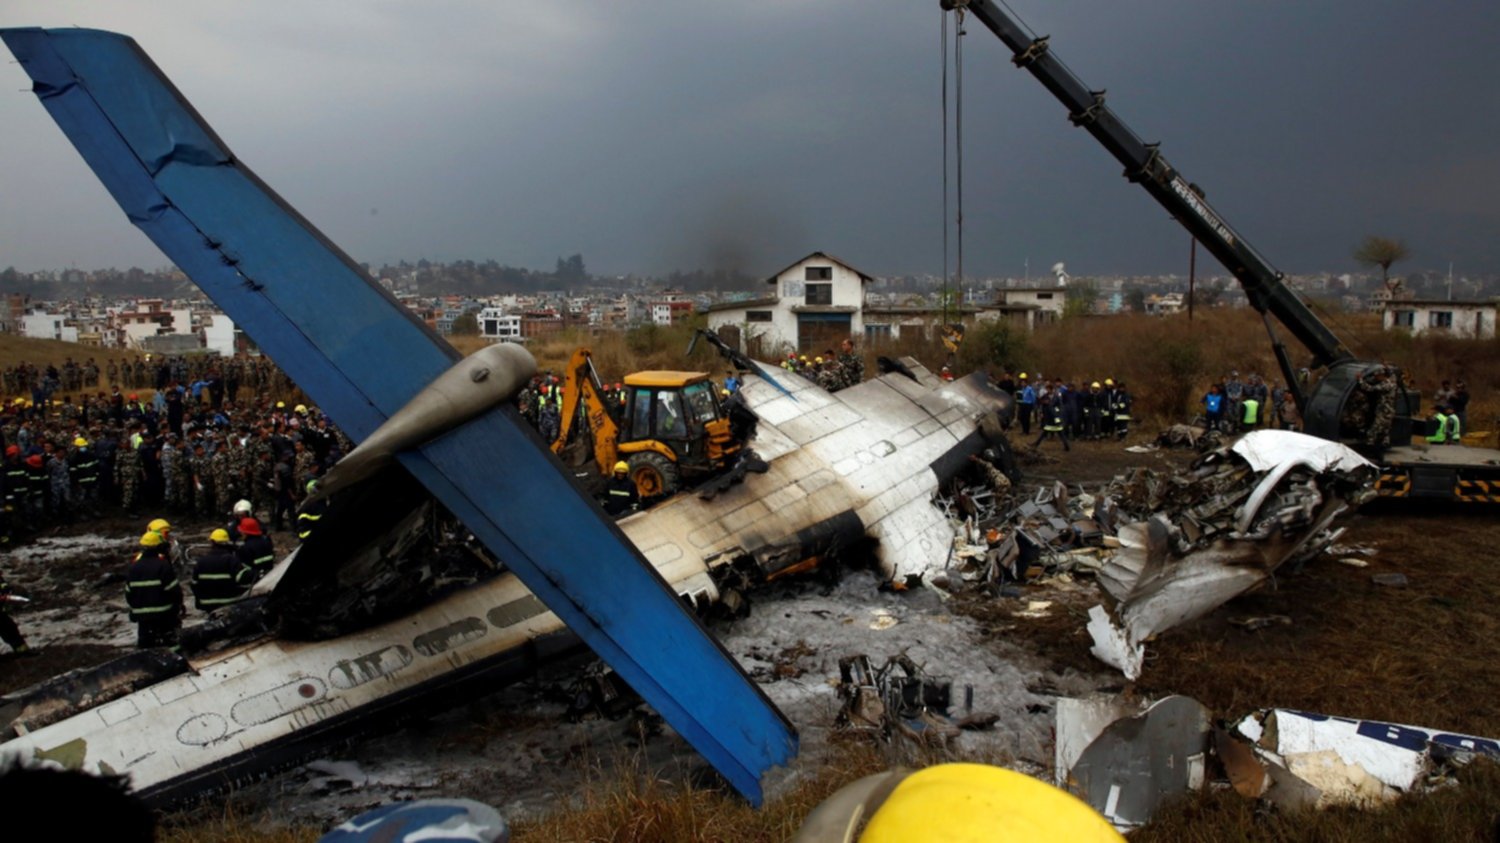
x=1392 y=580
x=884 y=702
x=1344 y=761
x=1189 y=436
x=1166 y=548
x=1136 y=762
x=1253 y=624
x=1126 y=760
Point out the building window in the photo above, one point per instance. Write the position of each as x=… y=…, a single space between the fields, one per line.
x=819 y=273
x=877 y=332
x=1440 y=319
x=819 y=294
x=757 y=316
x=1044 y=296
x=1403 y=318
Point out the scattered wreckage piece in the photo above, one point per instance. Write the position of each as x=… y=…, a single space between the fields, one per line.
x=1125 y=760
x=1216 y=531
x=1134 y=762
x=1344 y=761
x=885 y=702
x=1190 y=436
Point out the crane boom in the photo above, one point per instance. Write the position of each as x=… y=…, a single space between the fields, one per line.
x=1145 y=165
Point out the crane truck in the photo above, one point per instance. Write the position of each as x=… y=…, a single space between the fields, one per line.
x=1336 y=406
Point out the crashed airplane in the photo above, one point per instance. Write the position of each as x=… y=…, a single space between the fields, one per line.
x=864 y=462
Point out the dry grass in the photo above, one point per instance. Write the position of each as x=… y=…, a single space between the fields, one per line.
x=228 y=823
x=639 y=807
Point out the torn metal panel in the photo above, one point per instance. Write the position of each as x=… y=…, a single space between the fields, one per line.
x=1078 y=722
x=1346 y=758
x=1139 y=762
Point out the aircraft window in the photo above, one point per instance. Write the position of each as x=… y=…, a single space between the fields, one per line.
x=700 y=400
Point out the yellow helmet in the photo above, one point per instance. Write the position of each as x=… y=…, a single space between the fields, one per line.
x=151 y=539
x=818 y=360
x=159 y=526
x=803 y=358
x=958 y=802
x=1095 y=384
x=1023 y=376
x=219 y=536
x=1109 y=381
x=281 y=405
x=622 y=467
x=300 y=409
x=80 y=442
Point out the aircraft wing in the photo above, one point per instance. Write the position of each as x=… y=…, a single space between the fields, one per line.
x=361 y=356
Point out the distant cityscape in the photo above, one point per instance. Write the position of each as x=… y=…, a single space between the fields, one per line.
x=161 y=311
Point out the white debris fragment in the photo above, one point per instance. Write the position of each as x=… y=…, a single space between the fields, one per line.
x=882 y=620
x=1113 y=647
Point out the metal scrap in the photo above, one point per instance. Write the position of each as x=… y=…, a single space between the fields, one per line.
x=898 y=698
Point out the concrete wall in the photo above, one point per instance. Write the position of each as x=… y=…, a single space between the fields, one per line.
x=1467 y=319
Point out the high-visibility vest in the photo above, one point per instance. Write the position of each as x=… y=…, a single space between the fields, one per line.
x=1440 y=434
x=1252 y=411
x=1454 y=428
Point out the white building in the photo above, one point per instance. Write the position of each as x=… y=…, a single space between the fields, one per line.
x=495 y=325
x=47 y=326
x=1474 y=319
x=814 y=304
x=218 y=335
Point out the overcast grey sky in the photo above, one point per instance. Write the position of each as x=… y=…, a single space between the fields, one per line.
x=649 y=136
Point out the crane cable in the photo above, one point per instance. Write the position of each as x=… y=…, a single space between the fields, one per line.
x=958 y=151
x=943 y=54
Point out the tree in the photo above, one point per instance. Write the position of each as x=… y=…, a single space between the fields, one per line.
x=1382 y=252
x=1208 y=295
x=1135 y=297
x=466 y=325
x=1080 y=298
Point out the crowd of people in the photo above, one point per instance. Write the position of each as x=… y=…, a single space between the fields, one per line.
x=190 y=448
x=1233 y=405
x=828 y=370
x=36 y=386
x=1064 y=410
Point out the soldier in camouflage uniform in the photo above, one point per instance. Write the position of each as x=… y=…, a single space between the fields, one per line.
x=170 y=457
x=830 y=375
x=225 y=490
x=304 y=465
x=852 y=363
x=263 y=479
x=60 y=485
x=128 y=475
x=201 y=480
x=1379 y=389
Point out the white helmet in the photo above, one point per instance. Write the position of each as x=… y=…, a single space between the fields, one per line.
x=243 y=508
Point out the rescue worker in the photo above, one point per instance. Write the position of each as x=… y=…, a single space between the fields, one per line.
x=215 y=574
x=1438 y=426
x=242 y=510
x=83 y=469
x=1094 y=410
x=1249 y=412
x=1455 y=426
x=1025 y=404
x=1052 y=422
x=14 y=477
x=154 y=595
x=257 y=556
x=1379 y=388
x=620 y=494
x=1121 y=404
x=311 y=511
x=9 y=632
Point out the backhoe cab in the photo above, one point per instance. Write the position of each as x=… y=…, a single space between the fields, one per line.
x=667 y=427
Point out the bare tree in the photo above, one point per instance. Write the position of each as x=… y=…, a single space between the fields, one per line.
x=1382 y=252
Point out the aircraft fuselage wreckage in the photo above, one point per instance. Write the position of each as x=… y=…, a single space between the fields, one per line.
x=360 y=632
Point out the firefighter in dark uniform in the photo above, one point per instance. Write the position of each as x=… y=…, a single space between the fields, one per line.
x=311 y=512
x=620 y=495
x=9 y=632
x=256 y=555
x=215 y=574
x=154 y=594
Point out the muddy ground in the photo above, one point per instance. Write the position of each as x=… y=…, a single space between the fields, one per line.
x=1422 y=653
